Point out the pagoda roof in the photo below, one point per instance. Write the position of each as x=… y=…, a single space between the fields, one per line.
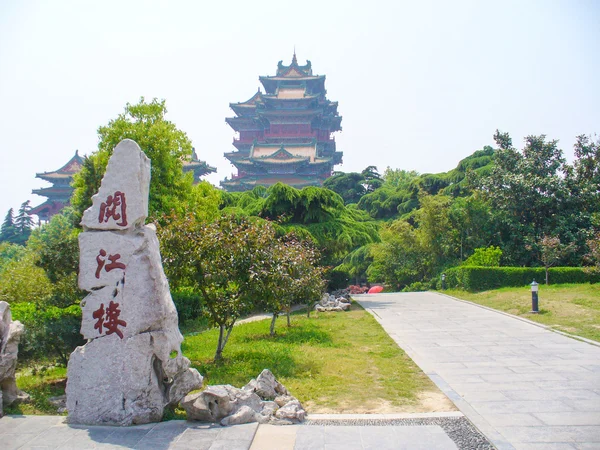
x=294 y=67
x=66 y=172
x=294 y=72
x=281 y=156
x=244 y=123
x=247 y=107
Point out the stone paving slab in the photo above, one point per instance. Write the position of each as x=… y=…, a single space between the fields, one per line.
x=50 y=432
x=524 y=386
x=310 y=437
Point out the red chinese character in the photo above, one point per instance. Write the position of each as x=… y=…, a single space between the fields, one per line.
x=112 y=320
x=99 y=316
x=114 y=262
x=108 y=209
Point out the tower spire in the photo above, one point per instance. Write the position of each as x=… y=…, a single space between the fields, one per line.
x=294 y=60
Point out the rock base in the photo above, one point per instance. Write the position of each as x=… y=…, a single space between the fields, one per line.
x=263 y=400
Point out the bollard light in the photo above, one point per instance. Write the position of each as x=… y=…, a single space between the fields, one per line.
x=534 y=297
x=443 y=281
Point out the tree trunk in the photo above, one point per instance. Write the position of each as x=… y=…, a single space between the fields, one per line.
x=309 y=308
x=272 y=329
x=219 y=354
x=546 y=276
x=288 y=318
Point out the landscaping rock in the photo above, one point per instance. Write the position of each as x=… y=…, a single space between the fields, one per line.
x=292 y=411
x=131 y=367
x=253 y=403
x=266 y=386
x=10 y=335
x=243 y=415
x=331 y=303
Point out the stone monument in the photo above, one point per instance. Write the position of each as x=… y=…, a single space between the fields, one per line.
x=131 y=368
x=10 y=335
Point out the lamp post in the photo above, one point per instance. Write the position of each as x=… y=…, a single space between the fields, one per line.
x=443 y=282
x=534 y=298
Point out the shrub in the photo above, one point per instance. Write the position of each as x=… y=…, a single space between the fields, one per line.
x=485 y=257
x=50 y=331
x=477 y=279
x=188 y=304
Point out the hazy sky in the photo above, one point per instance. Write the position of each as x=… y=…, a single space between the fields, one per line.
x=420 y=84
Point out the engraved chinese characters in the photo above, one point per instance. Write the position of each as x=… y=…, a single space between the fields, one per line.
x=125 y=374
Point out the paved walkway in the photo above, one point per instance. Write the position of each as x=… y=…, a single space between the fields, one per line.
x=443 y=431
x=523 y=386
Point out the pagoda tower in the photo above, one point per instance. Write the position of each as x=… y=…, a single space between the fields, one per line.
x=60 y=192
x=286 y=134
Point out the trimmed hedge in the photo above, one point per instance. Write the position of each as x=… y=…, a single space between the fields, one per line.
x=475 y=279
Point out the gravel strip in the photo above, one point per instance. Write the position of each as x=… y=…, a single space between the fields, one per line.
x=459 y=429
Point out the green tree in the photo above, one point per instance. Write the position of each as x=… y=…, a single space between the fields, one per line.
x=21 y=280
x=435 y=232
x=23 y=223
x=163 y=143
x=8 y=230
x=531 y=195
x=353 y=185
x=221 y=259
x=471 y=219
x=56 y=247
x=551 y=251
x=399 y=259
x=10 y=252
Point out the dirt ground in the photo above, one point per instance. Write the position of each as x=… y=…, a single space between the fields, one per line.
x=429 y=401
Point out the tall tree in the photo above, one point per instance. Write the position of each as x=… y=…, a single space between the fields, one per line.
x=163 y=143
x=220 y=259
x=23 y=223
x=531 y=195
x=8 y=230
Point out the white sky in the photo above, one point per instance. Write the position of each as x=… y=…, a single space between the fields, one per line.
x=420 y=84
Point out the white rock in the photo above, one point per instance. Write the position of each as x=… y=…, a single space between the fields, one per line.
x=217 y=402
x=122 y=201
x=269 y=408
x=283 y=400
x=10 y=335
x=244 y=414
x=266 y=386
x=292 y=411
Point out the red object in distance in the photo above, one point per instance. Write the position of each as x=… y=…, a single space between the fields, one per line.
x=375 y=290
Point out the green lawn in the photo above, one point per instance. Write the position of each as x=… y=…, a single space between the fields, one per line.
x=332 y=362
x=573 y=308
x=40 y=384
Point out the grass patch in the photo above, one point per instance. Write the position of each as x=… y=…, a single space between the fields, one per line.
x=332 y=362
x=341 y=362
x=573 y=308
x=40 y=384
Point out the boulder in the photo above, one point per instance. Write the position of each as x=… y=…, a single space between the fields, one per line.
x=253 y=403
x=266 y=386
x=217 y=402
x=10 y=335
